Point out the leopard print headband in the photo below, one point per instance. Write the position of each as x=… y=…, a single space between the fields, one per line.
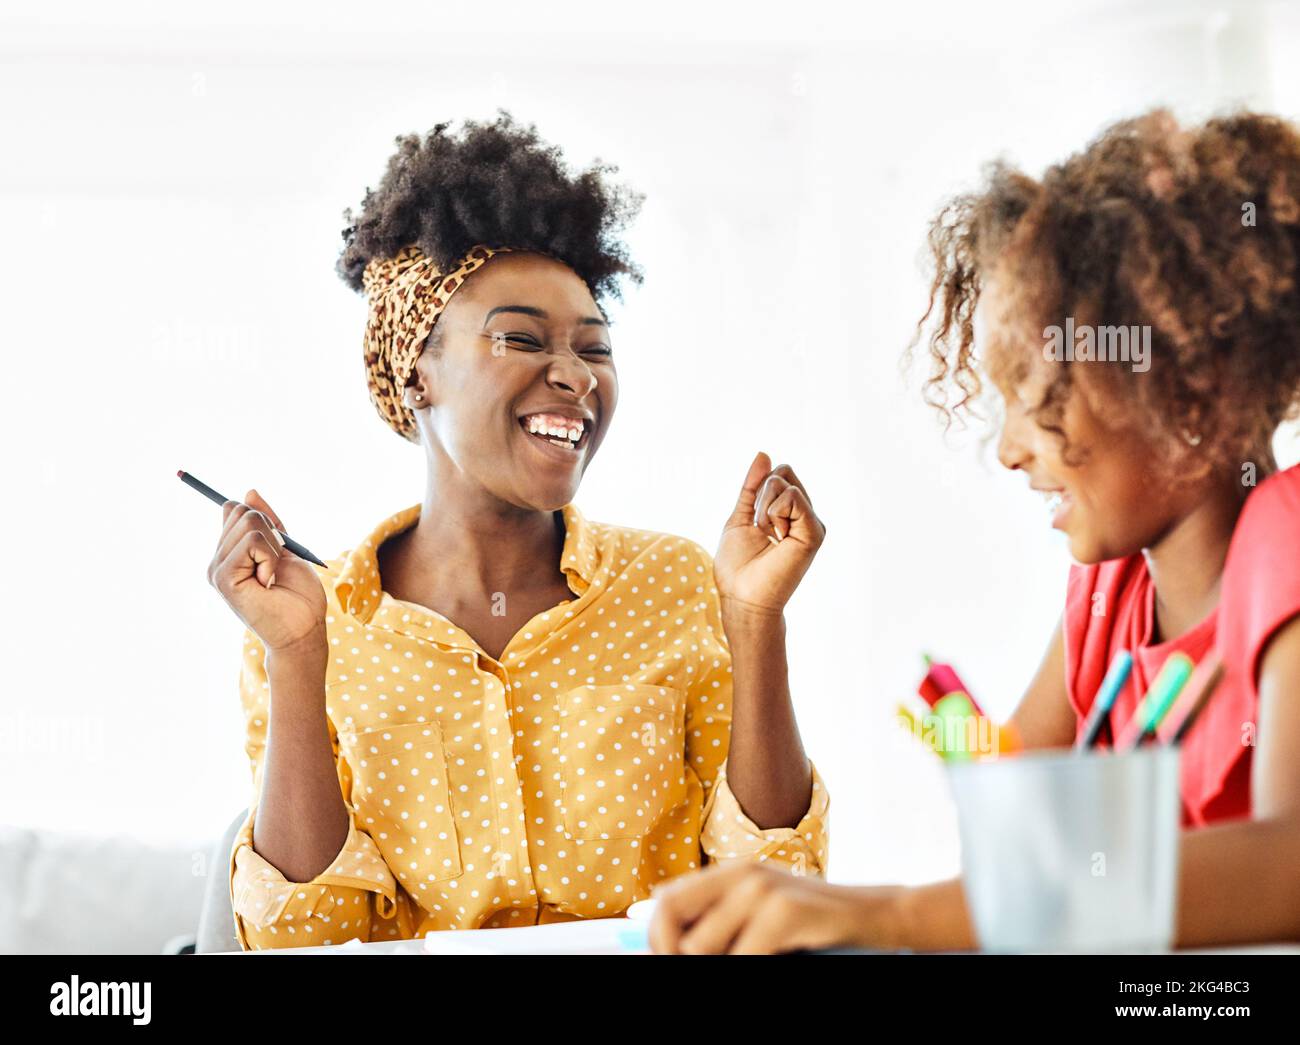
x=406 y=294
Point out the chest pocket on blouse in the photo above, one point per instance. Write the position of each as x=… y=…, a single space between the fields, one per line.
x=624 y=758
x=402 y=800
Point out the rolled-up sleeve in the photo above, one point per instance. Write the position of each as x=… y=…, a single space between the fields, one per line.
x=726 y=833
x=342 y=902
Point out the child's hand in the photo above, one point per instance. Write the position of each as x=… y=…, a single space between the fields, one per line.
x=746 y=908
x=769 y=541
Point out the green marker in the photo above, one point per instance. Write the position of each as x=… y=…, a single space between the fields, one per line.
x=955 y=712
x=1166 y=686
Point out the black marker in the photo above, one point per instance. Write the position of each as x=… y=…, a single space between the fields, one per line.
x=216 y=498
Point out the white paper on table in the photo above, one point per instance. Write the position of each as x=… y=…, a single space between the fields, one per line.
x=592 y=936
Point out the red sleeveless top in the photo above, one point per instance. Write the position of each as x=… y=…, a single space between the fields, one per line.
x=1110 y=606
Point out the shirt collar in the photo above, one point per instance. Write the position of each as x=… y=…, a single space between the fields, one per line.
x=581 y=555
x=358 y=583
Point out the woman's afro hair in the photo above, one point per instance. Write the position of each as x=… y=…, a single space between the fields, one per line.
x=497 y=184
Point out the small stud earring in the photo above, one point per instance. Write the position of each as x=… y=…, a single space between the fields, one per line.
x=418 y=397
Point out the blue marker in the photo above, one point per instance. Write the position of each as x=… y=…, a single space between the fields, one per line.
x=1114 y=681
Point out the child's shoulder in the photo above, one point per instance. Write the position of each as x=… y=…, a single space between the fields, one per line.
x=1262 y=553
x=1272 y=510
x=1261 y=578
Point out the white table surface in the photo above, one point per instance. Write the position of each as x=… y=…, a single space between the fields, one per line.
x=609 y=936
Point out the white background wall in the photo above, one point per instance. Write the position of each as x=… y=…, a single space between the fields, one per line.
x=173 y=189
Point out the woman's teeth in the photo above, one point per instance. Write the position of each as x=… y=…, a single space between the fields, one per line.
x=1054 y=501
x=561 y=431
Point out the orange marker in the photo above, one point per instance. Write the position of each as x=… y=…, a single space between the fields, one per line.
x=1205 y=679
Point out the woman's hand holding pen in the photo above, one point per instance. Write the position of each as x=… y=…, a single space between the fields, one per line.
x=769 y=542
x=276 y=594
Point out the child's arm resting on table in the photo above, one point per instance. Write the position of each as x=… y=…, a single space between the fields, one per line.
x=1238 y=882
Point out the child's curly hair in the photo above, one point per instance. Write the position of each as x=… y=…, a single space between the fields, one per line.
x=1194 y=232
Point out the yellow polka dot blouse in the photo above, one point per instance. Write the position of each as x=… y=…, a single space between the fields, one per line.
x=559 y=782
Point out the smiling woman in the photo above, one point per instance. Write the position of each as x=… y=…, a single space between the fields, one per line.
x=492 y=711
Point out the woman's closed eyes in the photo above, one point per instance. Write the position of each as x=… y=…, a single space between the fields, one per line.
x=529 y=343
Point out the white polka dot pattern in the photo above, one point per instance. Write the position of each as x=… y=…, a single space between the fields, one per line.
x=561 y=781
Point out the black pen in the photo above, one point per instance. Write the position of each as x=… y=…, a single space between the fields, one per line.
x=216 y=498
